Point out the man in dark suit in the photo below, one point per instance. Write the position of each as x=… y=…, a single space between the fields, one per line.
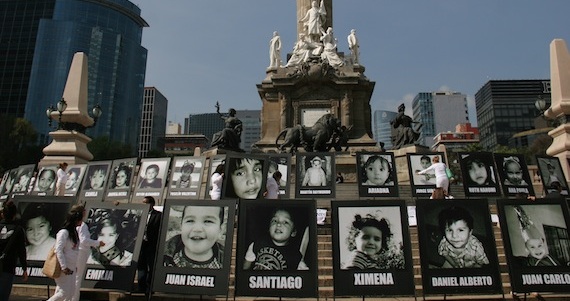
x=148 y=247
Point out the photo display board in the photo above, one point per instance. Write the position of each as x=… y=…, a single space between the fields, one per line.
x=537 y=245
x=194 y=255
x=95 y=180
x=551 y=171
x=244 y=177
x=277 y=249
x=422 y=185
x=45 y=181
x=22 y=180
x=372 y=253
x=186 y=177
x=8 y=179
x=457 y=247
x=74 y=179
x=316 y=175
x=120 y=179
x=377 y=175
x=153 y=174
x=478 y=174
x=282 y=163
x=42 y=217
x=213 y=164
x=121 y=227
x=514 y=175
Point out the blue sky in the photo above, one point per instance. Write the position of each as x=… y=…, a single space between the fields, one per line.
x=203 y=51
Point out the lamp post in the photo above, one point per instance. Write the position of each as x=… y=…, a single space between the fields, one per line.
x=61 y=106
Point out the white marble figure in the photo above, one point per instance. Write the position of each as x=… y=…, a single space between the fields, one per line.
x=354 y=46
x=303 y=49
x=314 y=20
x=275 y=51
x=329 y=51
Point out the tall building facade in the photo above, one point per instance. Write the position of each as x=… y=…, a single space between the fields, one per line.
x=251 y=120
x=20 y=23
x=439 y=112
x=382 y=128
x=153 y=121
x=109 y=32
x=206 y=124
x=507 y=107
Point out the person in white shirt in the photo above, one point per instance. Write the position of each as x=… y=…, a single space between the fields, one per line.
x=438 y=168
x=272 y=186
x=61 y=179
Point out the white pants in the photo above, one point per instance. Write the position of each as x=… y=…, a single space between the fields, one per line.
x=64 y=289
x=81 y=265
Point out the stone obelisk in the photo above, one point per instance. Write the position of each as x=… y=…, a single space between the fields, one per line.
x=70 y=145
x=560 y=103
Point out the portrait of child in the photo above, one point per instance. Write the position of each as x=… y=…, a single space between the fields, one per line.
x=376 y=171
x=245 y=178
x=46 y=180
x=150 y=177
x=96 y=177
x=315 y=175
x=199 y=242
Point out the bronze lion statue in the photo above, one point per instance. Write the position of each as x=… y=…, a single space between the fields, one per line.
x=313 y=139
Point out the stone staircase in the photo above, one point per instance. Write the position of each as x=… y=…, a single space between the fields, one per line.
x=345 y=191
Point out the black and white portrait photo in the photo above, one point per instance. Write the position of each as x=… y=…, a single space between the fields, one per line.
x=276 y=238
x=45 y=181
x=551 y=172
x=513 y=174
x=121 y=227
x=478 y=170
x=41 y=217
x=370 y=238
x=376 y=174
x=196 y=239
x=457 y=240
x=23 y=178
x=424 y=183
x=535 y=234
x=315 y=175
x=186 y=177
x=8 y=179
x=95 y=180
x=75 y=175
x=281 y=163
x=120 y=179
x=152 y=173
x=244 y=177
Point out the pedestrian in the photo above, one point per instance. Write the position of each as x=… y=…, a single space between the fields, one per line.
x=13 y=248
x=61 y=179
x=272 y=186
x=148 y=247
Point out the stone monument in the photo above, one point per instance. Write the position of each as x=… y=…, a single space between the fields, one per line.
x=70 y=144
x=560 y=103
x=316 y=80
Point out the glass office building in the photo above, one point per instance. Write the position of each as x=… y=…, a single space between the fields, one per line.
x=382 y=127
x=110 y=33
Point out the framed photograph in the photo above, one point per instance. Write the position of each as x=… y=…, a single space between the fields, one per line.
x=276 y=253
x=194 y=255
x=74 y=178
x=41 y=217
x=479 y=174
x=120 y=179
x=422 y=185
x=316 y=175
x=244 y=176
x=281 y=163
x=23 y=179
x=45 y=181
x=152 y=176
x=217 y=164
x=376 y=174
x=95 y=180
x=186 y=177
x=457 y=247
x=537 y=245
x=513 y=174
x=8 y=179
x=551 y=171
x=372 y=253
x=121 y=227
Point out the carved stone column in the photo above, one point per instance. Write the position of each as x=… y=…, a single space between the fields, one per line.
x=345 y=109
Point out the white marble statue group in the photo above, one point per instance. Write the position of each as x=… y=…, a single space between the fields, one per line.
x=313 y=42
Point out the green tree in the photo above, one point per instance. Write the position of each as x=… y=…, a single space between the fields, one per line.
x=104 y=148
x=18 y=143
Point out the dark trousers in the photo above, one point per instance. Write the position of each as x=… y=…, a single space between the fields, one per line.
x=6 y=281
x=145 y=267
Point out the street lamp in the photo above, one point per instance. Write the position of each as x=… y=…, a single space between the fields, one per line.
x=61 y=106
x=540 y=104
x=71 y=126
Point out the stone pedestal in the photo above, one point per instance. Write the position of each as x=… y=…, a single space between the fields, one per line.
x=401 y=158
x=67 y=146
x=560 y=103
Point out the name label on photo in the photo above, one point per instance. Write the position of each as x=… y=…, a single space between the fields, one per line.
x=276 y=282
x=462 y=281
x=190 y=280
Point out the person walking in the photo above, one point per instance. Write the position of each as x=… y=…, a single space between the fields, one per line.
x=12 y=248
x=439 y=169
x=67 y=251
x=272 y=186
x=148 y=247
x=61 y=179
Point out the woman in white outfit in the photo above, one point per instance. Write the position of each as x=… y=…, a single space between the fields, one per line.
x=216 y=182
x=85 y=244
x=438 y=168
x=67 y=250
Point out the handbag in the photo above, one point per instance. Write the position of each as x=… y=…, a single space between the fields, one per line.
x=449 y=173
x=52 y=268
